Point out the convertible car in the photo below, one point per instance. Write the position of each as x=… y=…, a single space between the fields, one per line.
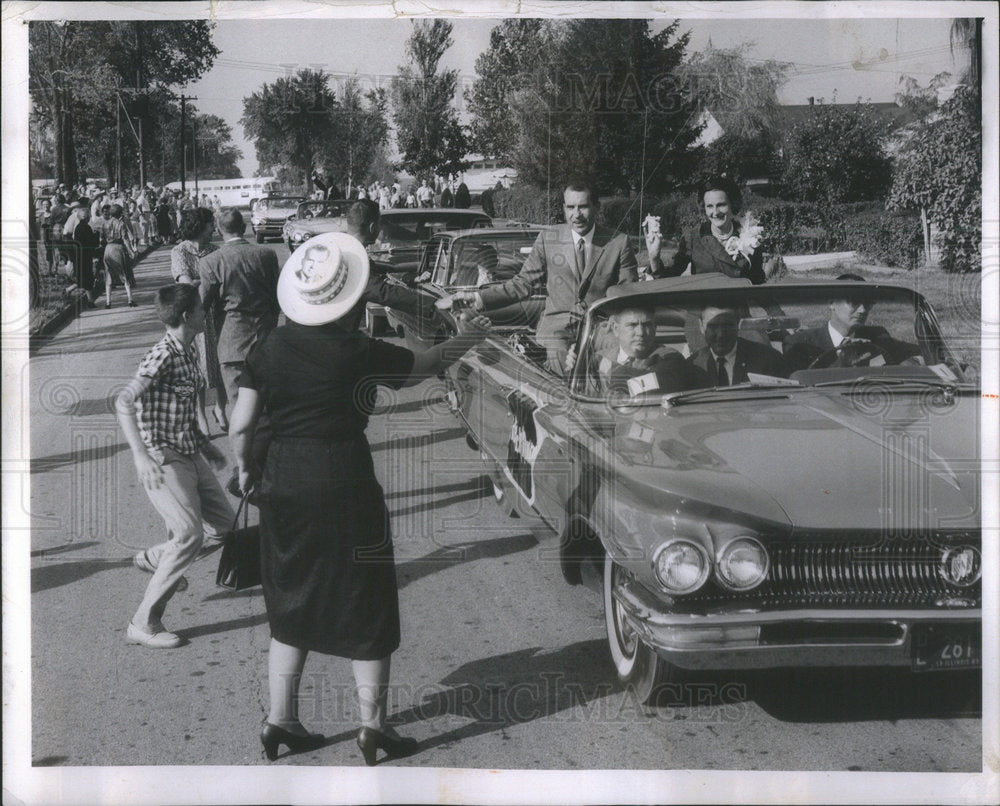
x=813 y=502
x=465 y=260
x=314 y=218
x=269 y=215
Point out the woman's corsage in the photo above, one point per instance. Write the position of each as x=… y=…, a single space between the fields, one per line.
x=746 y=240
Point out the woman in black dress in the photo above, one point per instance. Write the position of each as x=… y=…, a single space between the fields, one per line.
x=714 y=246
x=326 y=552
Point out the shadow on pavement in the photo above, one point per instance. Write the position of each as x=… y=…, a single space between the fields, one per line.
x=75 y=546
x=832 y=695
x=416 y=441
x=100 y=453
x=459 y=553
x=46 y=577
x=223 y=626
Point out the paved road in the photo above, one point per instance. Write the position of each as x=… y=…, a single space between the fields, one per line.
x=501 y=666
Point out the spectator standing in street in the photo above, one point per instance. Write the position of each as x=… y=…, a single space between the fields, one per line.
x=239 y=281
x=87 y=244
x=411 y=199
x=166 y=433
x=197 y=228
x=463 y=200
x=424 y=194
x=117 y=248
x=45 y=230
x=447 y=198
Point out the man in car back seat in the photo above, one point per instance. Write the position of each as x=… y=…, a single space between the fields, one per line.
x=638 y=366
x=726 y=357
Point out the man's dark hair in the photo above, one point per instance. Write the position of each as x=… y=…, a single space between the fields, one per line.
x=581 y=184
x=361 y=214
x=231 y=221
x=194 y=221
x=175 y=300
x=727 y=186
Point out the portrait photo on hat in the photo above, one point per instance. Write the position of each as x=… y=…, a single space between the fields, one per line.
x=323 y=279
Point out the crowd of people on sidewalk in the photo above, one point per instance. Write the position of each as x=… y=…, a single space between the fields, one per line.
x=90 y=236
x=443 y=193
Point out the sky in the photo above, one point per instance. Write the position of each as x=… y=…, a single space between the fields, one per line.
x=846 y=58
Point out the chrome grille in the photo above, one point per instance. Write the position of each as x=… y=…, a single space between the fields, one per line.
x=888 y=573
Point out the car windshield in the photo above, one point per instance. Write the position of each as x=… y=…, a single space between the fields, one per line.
x=419 y=226
x=274 y=202
x=745 y=340
x=476 y=260
x=323 y=209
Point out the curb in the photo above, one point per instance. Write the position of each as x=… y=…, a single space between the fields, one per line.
x=70 y=310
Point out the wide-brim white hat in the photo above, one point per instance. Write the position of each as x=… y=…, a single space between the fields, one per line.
x=317 y=302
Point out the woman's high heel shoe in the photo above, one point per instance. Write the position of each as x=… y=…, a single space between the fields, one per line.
x=370 y=740
x=271 y=736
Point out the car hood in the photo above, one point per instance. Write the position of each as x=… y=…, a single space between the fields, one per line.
x=823 y=461
x=275 y=212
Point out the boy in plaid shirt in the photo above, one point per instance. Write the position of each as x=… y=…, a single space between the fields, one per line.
x=165 y=427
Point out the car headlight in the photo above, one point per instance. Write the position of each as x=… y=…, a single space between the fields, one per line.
x=681 y=566
x=742 y=564
x=300 y=236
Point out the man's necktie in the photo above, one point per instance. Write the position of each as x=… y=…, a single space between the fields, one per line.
x=723 y=377
x=581 y=256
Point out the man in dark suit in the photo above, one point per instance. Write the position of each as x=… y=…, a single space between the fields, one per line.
x=637 y=366
x=846 y=340
x=240 y=281
x=576 y=262
x=727 y=358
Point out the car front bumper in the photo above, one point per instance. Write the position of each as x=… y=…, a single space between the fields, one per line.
x=747 y=639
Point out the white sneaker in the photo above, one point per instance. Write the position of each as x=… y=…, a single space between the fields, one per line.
x=153 y=640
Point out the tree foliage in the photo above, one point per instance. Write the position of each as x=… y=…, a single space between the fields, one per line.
x=836 y=155
x=77 y=68
x=290 y=121
x=740 y=157
x=430 y=138
x=742 y=94
x=610 y=106
x=939 y=170
x=517 y=53
x=360 y=127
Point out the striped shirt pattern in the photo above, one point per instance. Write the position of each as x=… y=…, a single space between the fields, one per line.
x=166 y=412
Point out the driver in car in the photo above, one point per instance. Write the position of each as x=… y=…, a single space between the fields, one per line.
x=846 y=340
x=638 y=366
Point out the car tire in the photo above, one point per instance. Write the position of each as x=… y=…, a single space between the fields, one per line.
x=638 y=666
x=260 y=236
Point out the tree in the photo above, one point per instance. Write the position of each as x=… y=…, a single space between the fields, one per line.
x=78 y=68
x=740 y=157
x=291 y=121
x=939 y=172
x=610 y=106
x=428 y=133
x=517 y=53
x=741 y=94
x=837 y=155
x=360 y=130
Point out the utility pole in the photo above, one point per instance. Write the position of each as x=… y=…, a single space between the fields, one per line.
x=184 y=100
x=118 y=142
x=194 y=149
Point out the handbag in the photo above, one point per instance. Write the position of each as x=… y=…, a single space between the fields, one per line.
x=239 y=563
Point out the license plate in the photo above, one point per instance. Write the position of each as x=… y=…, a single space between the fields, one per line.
x=935 y=647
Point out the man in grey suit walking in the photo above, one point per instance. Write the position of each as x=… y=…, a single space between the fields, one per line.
x=577 y=262
x=240 y=280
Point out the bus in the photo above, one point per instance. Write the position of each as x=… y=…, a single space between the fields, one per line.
x=237 y=192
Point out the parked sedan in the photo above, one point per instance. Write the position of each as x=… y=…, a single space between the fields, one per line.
x=814 y=502
x=314 y=218
x=466 y=260
x=270 y=214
